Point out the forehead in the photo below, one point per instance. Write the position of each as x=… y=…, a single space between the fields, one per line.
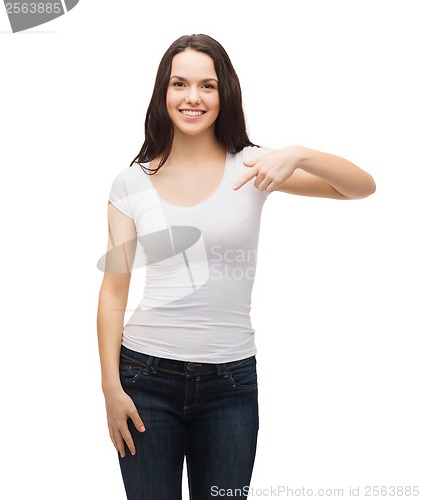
x=193 y=65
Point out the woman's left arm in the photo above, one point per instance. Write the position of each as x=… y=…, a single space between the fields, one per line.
x=307 y=172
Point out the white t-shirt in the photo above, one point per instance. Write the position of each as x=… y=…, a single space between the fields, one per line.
x=200 y=266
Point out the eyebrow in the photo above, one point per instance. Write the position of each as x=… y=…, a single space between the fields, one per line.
x=205 y=80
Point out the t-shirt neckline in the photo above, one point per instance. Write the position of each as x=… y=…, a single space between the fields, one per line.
x=197 y=205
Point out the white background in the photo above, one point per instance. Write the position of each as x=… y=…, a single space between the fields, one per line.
x=336 y=299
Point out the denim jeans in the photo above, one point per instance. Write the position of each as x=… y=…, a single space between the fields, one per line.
x=205 y=412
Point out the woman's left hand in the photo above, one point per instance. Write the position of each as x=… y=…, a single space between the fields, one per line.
x=271 y=169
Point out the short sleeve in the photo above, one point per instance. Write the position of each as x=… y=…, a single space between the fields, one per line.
x=252 y=152
x=119 y=196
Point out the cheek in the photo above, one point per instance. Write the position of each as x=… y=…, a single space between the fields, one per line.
x=215 y=104
x=170 y=101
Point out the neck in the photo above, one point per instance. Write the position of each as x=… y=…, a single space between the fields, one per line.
x=195 y=149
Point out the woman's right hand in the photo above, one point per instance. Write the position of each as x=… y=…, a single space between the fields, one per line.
x=120 y=407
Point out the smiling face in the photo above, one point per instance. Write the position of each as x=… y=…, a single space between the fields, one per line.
x=192 y=95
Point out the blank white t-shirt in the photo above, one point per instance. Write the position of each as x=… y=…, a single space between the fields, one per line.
x=200 y=266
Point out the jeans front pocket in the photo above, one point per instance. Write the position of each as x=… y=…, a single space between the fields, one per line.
x=130 y=370
x=244 y=375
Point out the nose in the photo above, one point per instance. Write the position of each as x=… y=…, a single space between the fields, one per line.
x=193 y=96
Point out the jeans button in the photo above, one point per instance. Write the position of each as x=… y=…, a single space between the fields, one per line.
x=192 y=366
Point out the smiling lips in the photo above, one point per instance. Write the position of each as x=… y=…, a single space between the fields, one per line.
x=192 y=112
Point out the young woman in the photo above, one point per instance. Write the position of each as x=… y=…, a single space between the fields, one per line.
x=179 y=378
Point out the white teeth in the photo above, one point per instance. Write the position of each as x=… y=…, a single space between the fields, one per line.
x=191 y=113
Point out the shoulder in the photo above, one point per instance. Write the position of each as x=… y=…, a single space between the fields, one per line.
x=127 y=173
x=126 y=187
x=129 y=180
x=120 y=178
x=252 y=152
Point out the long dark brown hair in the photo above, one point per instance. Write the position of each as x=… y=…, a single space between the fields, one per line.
x=230 y=126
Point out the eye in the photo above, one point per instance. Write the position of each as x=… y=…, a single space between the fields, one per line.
x=209 y=86
x=178 y=84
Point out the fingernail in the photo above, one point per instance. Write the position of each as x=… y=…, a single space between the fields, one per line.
x=235 y=187
x=142 y=429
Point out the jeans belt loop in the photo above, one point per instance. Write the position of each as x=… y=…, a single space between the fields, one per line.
x=222 y=369
x=147 y=368
x=155 y=364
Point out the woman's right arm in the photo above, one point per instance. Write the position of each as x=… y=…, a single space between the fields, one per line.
x=113 y=296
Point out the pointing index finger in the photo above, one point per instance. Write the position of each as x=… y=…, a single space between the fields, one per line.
x=246 y=178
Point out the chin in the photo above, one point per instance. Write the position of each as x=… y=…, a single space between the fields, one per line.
x=194 y=131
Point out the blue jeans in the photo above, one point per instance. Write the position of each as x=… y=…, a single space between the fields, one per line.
x=205 y=412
